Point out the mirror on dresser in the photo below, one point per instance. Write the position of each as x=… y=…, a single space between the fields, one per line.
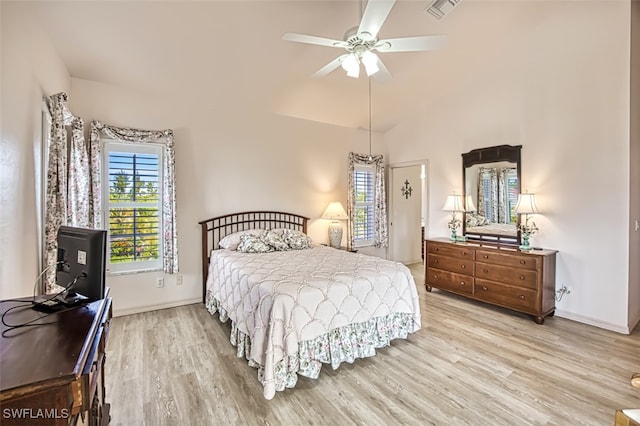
x=491 y=184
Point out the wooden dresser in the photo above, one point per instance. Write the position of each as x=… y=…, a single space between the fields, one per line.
x=53 y=373
x=501 y=275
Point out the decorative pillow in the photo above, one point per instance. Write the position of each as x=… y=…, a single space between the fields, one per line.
x=252 y=244
x=274 y=239
x=297 y=240
x=231 y=241
x=474 y=219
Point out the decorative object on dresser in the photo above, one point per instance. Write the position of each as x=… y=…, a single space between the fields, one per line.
x=453 y=205
x=52 y=366
x=335 y=212
x=501 y=275
x=526 y=205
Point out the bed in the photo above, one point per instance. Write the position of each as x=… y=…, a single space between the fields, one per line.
x=292 y=310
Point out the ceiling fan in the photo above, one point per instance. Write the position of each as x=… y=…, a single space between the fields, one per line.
x=362 y=42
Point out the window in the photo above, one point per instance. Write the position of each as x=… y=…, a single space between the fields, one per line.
x=133 y=205
x=363 y=214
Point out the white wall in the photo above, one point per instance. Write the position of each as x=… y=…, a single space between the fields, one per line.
x=562 y=92
x=634 y=164
x=30 y=69
x=229 y=158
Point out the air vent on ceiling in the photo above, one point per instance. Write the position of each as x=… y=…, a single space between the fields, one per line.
x=439 y=8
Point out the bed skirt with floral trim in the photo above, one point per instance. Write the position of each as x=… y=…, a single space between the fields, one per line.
x=339 y=345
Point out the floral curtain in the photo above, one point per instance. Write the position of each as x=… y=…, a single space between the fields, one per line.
x=381 y=235
x=165 y=137
x=79 y=187
x=67 y=190
x=56 y=192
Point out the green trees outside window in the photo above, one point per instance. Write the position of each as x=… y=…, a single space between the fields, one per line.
x=134 y=221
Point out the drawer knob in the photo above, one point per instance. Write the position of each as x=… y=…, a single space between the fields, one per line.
x=462 y=282
x=435 y=276
x=522 y=277
x=485 y=271
x=522 y=296
x=437 y=249
x=435 y=260
x=522 y=262
x=484 y=287
x=464 y=253
x=463 y=266
x=485 y=256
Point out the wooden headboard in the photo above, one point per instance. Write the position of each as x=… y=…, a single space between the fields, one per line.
x=215 y=229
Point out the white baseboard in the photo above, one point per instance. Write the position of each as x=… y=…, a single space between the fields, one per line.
x=594 y=322
x=141 y=309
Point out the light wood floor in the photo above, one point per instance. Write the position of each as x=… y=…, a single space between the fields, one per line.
x=469 y=364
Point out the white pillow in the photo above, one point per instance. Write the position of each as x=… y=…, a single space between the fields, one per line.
x=231 y=241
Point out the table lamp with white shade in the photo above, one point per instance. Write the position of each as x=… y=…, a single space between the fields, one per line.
x=469 y=207
x=335 y=212
x=454 y=204
x=526 y=205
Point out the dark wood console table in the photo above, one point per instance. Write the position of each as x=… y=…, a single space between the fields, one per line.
x=53 y=373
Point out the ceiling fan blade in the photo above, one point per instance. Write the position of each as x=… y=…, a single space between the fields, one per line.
x=374 y=16
x=411 y=44
x=330 y=66
x=321 y=41
x=383 y=73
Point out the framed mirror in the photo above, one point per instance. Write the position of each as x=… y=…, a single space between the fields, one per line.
x=491 y=185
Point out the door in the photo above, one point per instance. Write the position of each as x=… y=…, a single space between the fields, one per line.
x=406 y=214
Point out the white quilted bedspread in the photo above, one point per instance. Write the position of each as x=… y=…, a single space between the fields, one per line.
x=281 y=298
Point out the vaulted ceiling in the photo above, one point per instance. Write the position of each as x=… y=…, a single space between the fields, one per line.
x=227 y=50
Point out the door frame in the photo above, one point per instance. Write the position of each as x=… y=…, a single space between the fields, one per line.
x=425 y=196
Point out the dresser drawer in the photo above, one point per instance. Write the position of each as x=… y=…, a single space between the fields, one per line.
x=450 y=250
x=449 y=281
x=506 y=295
x=504 y=274
x=453 y=264
x=508 y=259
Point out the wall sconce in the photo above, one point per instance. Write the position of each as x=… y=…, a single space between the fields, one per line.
x=526 y=205
x=335 y=212
x=454 y=205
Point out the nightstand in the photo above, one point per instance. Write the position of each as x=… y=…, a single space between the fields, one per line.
x=352 y=250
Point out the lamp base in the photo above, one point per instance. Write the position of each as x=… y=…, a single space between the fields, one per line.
x=335 y=235
x=525 y=243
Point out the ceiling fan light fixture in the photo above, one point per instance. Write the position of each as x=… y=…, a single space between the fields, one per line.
x=370 y=62
x=351 y=65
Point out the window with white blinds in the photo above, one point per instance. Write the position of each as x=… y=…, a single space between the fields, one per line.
x=364 y=189
x=132 y=191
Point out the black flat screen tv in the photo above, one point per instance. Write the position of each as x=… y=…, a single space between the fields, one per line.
x=81 y=264
x=80 y=269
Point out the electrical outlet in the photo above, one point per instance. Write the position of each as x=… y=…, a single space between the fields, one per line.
x=160 y=282
x=179 y=279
